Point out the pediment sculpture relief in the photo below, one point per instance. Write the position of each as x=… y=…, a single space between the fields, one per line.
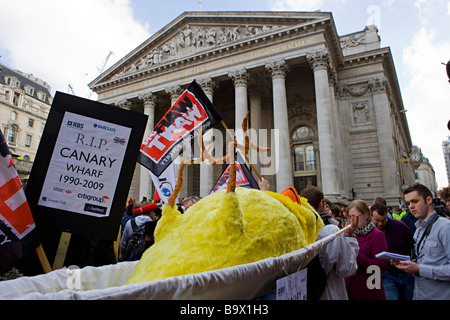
x=190 y=39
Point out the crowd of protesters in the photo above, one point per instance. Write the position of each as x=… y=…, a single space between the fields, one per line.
x=419 y=230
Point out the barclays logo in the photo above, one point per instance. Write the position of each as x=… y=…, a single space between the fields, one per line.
x=99 y=126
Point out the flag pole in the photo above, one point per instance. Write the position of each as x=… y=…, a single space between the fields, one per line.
x=234 y=139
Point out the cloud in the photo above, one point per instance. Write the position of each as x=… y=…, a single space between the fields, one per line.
x=65 y=42
x=427 y=96
x=302 y=5
x=285 y=5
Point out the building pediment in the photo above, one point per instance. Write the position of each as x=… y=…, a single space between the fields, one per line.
x=196 y=33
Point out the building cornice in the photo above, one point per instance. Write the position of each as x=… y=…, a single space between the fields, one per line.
x=106 y=82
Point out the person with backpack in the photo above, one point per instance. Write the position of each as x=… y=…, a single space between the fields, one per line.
x=134 y=241
x=337 y=258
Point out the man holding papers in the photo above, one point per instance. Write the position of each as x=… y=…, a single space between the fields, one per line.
x=398 y=285
x=430 y=263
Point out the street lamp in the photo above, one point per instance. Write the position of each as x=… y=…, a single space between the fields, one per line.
x=448 y=69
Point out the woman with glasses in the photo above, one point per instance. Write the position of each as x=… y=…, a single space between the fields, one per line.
x=367 y=283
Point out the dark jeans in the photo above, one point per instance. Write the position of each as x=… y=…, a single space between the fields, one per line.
x=398 y=285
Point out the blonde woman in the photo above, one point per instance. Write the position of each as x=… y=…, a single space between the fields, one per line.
x=371 y=241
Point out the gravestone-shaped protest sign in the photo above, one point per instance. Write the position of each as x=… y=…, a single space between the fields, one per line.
x=84 y=165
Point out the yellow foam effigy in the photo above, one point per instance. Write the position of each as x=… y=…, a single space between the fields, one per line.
x=224 y=230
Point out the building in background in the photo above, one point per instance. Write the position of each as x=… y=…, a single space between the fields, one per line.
x=446 y=150
x=24 y=106
x=425 y=173
x=334 y=100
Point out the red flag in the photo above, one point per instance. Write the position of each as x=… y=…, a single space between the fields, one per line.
x=157 y=197
x=16 y=221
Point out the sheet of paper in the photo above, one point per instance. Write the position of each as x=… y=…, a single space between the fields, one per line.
x=292 y=287
x=85 y=166
x=392 y=256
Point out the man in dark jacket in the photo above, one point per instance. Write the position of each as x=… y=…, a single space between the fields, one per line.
x=398 y=285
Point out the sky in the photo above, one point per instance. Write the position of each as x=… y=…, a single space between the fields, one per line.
x=69 y=42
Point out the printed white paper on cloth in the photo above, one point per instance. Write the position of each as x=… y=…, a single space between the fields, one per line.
x=85 y=166
x=292 y=287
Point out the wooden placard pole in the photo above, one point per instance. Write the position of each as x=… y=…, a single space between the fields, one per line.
x=43 y=259
x=63 y=245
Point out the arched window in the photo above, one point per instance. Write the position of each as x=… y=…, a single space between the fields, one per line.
x=305 y=173
x=303 y=132
x=304 y=158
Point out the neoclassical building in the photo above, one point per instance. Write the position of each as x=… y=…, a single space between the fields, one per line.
x=24 y=106
x=330 y=104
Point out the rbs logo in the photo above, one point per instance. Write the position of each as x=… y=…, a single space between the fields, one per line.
x=75 y=125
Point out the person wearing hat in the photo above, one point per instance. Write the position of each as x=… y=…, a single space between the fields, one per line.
x=398 y=214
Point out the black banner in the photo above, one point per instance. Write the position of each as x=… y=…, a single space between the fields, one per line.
x=84 y=165
x=181 y=124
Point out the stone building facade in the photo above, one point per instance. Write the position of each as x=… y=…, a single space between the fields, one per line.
x=24 y=106
x=446 y=151
x=330 y=104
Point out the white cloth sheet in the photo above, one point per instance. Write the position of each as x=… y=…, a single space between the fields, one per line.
x=240 y=282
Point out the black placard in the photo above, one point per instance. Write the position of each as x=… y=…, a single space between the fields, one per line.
x=84 y=165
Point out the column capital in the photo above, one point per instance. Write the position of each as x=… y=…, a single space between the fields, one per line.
x=240 y=77
x=174 y=91
x=149 y=99
x=319 y=59
x=208 y=85
x=123 y=104
x=278 y=69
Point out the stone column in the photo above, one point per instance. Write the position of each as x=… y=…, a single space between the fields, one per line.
x=145 y=181
x=284 y=175
x=175 y=92
x=240 y=80
x=126 y=104
x=206 y=170
x=255 y=92
x=320 y=62
x=389 y=171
